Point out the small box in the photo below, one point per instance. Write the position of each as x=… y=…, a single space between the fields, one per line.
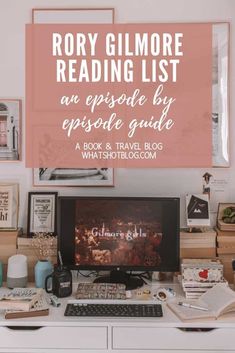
x=202 y=270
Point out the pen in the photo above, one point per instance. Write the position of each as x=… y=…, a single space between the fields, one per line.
x=187 y=305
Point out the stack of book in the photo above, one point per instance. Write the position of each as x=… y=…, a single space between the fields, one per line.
x=197 y=245
x=199 y=275
x=23 y=302
x=8 y=241
x=24 y=247
x=226 y=251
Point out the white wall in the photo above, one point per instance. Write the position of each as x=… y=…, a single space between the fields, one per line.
x=148 y=182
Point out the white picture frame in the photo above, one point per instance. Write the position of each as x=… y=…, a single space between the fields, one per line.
x=73 y=15
x=82 y=16
x=60 y=177
x=42 y=212
x=197 y=210
x=10 y=130
x=220 y=95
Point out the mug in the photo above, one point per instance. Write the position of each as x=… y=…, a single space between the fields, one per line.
x=61 y=280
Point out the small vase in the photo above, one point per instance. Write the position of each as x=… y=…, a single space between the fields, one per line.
x=42 y=269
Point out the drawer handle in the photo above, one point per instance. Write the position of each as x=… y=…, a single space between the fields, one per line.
x=196 y=329
x=24 y=328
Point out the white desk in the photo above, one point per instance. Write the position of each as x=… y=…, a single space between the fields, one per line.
x=57 y=333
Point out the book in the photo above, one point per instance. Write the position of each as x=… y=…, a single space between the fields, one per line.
x=218 y=301
x=197 y=253
x=223 y=233
x=40 y=308
x=19 y=298
x=226 y=250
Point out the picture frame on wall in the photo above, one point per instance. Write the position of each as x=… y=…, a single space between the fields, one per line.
x=10 y=130
x=73 y=177
x=220 y=95
x=197 y=210
x=73 y=15
x=9 y=205
x=42 y=208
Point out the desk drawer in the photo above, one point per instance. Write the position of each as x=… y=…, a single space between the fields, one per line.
x=141 y=338
x=54 y=337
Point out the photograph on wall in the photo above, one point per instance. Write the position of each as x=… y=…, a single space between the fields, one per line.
x=73 y=177
x=10 y=124
x=197 y=210
x=220 y=106
x=117 y=233
x=9 y=206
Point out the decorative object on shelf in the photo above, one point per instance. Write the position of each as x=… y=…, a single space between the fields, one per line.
x=197 y=210
x=17 y=271
x=9 y=205
x=226 y=216
x=42 y=212
x=42 y=269
x=42 y=243
x=73 y=177
x=10 y=130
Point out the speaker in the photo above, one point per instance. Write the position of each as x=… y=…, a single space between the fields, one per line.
x=17 y=271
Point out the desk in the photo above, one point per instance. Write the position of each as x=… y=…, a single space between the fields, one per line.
x=56 y=333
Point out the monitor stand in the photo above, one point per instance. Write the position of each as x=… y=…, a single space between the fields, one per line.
x=122 y=277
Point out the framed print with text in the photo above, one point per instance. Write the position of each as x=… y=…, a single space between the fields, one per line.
x=9 y=205
x=42 y=212
x=73 y=177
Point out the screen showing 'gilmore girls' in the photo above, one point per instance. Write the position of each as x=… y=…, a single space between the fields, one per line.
x=126 y=233
x=118 y=232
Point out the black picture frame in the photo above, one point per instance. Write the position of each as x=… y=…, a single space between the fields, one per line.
x=42 y=213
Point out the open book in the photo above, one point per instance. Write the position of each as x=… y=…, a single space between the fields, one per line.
x=219 y=300
x=40 y=308
x=20 y=298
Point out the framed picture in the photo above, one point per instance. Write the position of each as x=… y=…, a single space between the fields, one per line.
x=73 y=177
x=220 y=95
x=73 y=15
x=226 y=216
x=197 y=210
x=42 y=212
x=10 y=130
x=9 y=206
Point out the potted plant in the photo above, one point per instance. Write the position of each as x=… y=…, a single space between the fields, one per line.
x=42 y=243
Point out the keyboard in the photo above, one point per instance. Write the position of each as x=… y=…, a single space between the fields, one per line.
x=113 y=310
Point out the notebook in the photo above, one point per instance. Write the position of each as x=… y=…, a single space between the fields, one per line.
x=219 y=300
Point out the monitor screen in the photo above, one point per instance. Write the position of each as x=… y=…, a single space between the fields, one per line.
x=105 y=233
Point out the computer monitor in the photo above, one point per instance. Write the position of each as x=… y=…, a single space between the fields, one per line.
x=119 y=234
